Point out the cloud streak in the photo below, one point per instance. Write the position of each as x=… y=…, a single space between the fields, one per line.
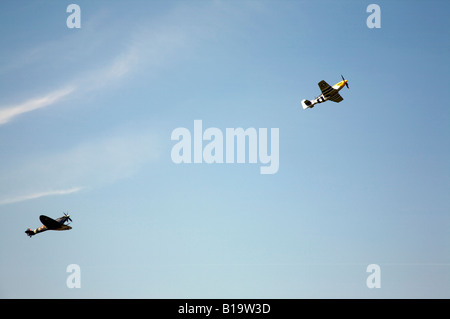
x=89 y=164
x=140 y=50
x=30 y=196
x=146 y=48
x=8 y=113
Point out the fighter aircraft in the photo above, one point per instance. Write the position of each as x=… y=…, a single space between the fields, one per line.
x=328 y=93
x=51 y=224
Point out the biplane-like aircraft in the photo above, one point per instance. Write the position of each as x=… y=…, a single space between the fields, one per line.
x=60 y=223
x=328 y=93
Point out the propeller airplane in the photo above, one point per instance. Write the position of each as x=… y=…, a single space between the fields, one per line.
x=328 y=93
x=50 y=224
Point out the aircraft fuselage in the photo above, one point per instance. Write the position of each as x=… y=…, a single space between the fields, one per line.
x=324 y=97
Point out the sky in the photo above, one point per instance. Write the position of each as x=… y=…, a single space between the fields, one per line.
x=86 y=122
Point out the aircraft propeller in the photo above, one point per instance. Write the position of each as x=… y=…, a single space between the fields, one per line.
x=344 y=82
x=68 y=216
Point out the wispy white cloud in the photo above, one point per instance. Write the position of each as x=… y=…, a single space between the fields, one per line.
x=9 y=112
x=146 y=48
x=93 y=163
x=98 y=161
x=21 y=198
x=99 y=78
x=85 y=82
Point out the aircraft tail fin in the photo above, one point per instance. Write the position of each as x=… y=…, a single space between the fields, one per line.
x=306 y=104
x=29 y=232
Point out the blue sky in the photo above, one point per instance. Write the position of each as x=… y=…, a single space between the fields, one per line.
x=86 y=117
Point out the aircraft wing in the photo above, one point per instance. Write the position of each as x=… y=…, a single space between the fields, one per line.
x=336 y=98
x=64 y=227
x=49 y=222
x=326 y=89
